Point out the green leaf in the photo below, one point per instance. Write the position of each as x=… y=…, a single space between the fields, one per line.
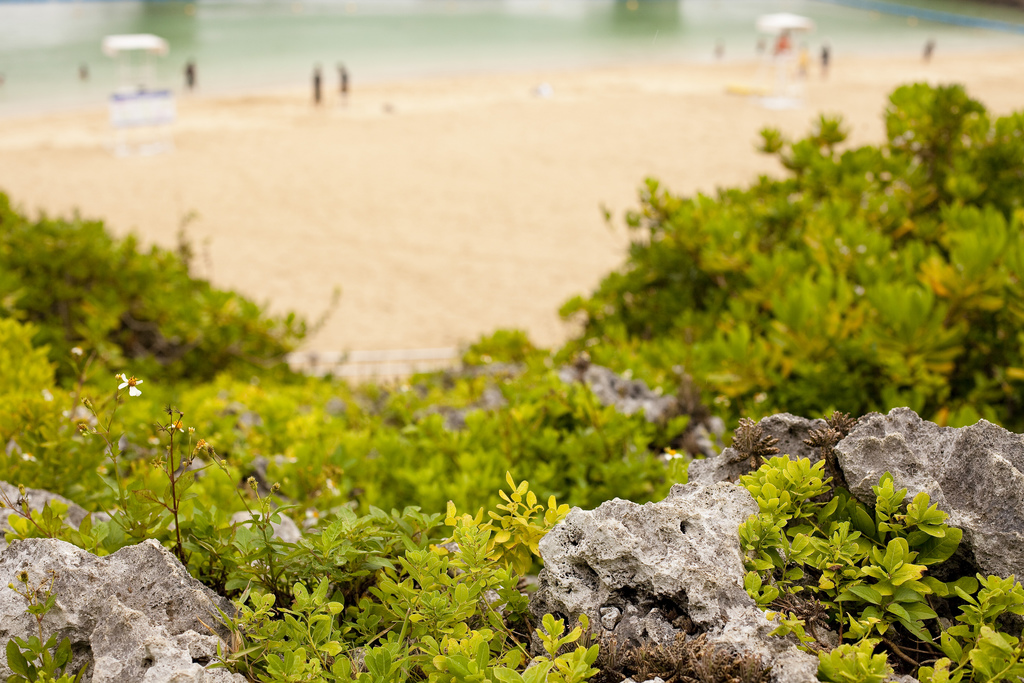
x=15 y=660
x=507 y=675
x=863 y=522
x=866 y=593
x=899 y=611
x=63 y=653
x=937 y=549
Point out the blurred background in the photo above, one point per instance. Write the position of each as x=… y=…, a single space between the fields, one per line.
x=475 y=173
x=246 y=44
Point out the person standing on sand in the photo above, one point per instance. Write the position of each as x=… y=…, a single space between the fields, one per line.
x=782 y=45
x=343 y=83
x=804 y=61
x=316 y=85
x=929 y=48
x=83 y=72
x=826 y=56
x=190 y=75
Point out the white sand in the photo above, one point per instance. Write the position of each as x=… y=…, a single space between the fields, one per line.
x=473 y=205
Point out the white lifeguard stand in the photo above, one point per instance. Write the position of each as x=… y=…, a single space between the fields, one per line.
x=140 y=115
x=785 y=92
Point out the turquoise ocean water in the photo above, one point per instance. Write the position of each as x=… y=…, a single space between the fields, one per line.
x=246 y=45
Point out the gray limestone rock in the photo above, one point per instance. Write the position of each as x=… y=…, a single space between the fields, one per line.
x=647 y=573
x=455 y=418
x=627 y=395
x=975 y=474
x=136 y=615
x=335 y=406
x=790 y=430
x=286 y=530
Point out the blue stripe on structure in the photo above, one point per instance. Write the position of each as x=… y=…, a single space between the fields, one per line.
x=931 y=15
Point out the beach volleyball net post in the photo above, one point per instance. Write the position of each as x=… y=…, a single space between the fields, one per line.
x=141 y=116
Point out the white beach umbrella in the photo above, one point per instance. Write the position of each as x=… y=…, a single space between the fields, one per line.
x=777 y=23
x=134 y=53
x=145 y=42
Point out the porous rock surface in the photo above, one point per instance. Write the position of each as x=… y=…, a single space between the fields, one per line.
x=648 y=573
x=790 y=430
x=629 y=396
x=975 y=474
x=136 y=615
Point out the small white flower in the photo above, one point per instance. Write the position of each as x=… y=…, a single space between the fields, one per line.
x=28 y=457
x=76 y=351
x=131 y=383
x=47 y=396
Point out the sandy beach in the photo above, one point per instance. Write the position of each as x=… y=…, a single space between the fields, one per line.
x=449 y=207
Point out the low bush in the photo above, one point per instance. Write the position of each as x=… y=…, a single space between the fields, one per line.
x=328 y=445
x=865 y=279
x=82 y=287
x=833 y=569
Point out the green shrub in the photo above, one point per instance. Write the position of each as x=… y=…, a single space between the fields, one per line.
x=24 y=368
x=503 y=346
x=823 y=561
x=875 y=277
x=82 y=287
x=39 y=446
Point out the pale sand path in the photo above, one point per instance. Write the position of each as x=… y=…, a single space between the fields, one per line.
x=473 y=206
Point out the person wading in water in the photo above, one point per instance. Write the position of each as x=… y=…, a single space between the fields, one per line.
x=343 y=83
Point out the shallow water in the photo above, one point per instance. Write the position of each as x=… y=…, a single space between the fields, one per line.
x=243 y=45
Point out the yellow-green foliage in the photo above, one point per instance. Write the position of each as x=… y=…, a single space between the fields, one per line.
x=820 y=559
x=25 y=374
x=24 y=368
x=38 y=442
x=516 y=532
